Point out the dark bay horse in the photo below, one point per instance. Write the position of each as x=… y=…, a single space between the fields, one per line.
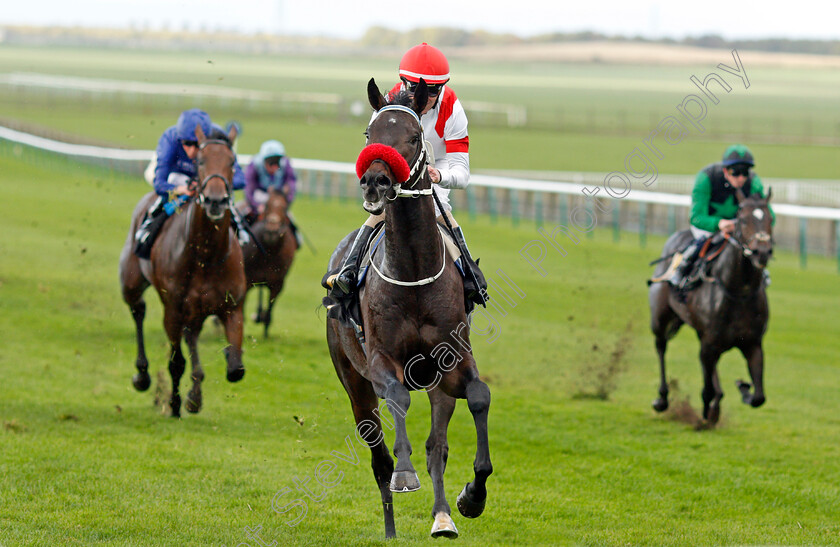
x=268 y=266
x=417 y=331
x=728 y=310
x=196 y=267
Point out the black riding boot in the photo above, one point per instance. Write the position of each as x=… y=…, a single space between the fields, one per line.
x=688 y=255
x=149 y=228
x=344 y=282
x=475 y=290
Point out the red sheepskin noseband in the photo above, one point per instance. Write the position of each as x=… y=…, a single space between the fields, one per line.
x=389 y=155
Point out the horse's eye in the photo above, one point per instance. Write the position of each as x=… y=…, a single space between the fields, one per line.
x=415 y=139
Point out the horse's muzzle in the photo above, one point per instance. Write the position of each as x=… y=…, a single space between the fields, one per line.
x=376 y=183
x=274 y=231
x=215 y=208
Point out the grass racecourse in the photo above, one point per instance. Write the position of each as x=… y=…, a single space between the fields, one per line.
x=87 y=460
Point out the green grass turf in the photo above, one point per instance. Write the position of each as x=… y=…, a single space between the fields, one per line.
x=86 y=460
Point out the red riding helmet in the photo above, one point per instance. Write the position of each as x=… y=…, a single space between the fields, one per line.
x=427 y=62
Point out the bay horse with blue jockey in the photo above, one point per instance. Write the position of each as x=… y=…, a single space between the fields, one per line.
x=196 y=267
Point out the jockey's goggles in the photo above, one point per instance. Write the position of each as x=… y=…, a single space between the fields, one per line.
x=189 y=143
x=411 y=87
x=273 y=160
x=739 y=170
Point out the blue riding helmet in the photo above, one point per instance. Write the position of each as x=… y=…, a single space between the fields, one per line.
x=187 y=122
x=272 y=149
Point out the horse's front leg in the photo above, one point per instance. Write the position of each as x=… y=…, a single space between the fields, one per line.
x=712 y=392
x=193 y=404
x=754 y=355
x=384 y=379
x=465 y=383
x=233 y=352
x=437 y=453
x=177 y=363
x=273 y=292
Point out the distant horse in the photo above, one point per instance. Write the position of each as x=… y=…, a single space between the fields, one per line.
x=196 y=267
x=268 y=266
x=417 y=331
x=728 y=310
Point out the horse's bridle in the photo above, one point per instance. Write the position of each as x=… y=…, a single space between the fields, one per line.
x=417 y=171
x=208 y=178
x=761 y=236
x=419 y=163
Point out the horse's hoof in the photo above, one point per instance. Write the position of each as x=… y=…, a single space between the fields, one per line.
x=444 y=527
x=713 y=415
x=236 y=374
x=660 y=404
x=175 y=406
x=193 y=404
x=141 y=381
x=404 y=481
x=469 y=507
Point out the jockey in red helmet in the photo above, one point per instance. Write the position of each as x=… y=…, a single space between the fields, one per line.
x=445 y=128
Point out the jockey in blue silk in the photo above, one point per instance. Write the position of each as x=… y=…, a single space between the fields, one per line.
x=175 y=171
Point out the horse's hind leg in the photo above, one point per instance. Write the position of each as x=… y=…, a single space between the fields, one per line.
x=233 y=353
x=754 y=355
x=193 y=404
x=133 y=285
x=664 y=324
x=437 y=453
x=368 y=426
x=712 y=393
x=141 y=380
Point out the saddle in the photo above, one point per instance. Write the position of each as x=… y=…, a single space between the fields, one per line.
x=348 y=312
x=712 y=248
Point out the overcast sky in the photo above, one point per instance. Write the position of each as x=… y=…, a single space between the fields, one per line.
x=350 y=18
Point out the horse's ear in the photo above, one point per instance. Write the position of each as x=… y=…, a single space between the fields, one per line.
x=375 y=97
x=199 y=134
x=232 y=134
x=421 y=97
x=769 y=194
x=739 y=195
